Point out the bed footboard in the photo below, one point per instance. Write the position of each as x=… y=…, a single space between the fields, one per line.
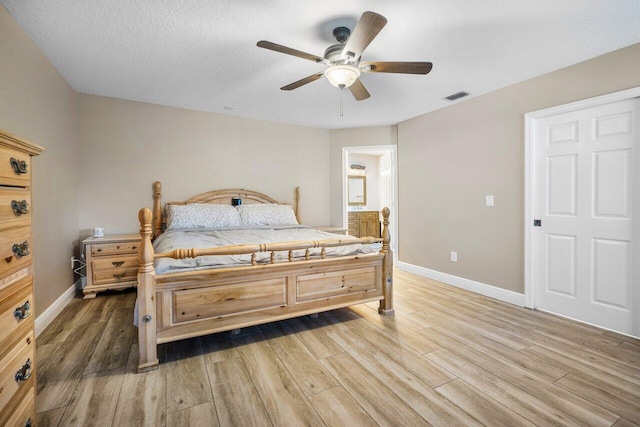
x=176 y=306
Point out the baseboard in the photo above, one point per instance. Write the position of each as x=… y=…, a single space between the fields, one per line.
x=469 y=285
x=47 y=316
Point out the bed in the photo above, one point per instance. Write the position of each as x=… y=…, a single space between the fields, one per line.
x=209 y=285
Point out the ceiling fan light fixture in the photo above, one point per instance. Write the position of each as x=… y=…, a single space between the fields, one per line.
x=342 y=75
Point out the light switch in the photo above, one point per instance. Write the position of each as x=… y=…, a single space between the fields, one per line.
x=454 y=256
x=488 y=200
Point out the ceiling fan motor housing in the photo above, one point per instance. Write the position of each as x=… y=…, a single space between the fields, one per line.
x=334 y=52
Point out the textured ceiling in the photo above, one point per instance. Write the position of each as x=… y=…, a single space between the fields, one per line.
x=202 y=54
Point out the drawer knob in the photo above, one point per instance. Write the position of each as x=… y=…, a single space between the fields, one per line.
x=146 y=318
x=18 y=166
x=20 y=207
x=23 y=311
x=119 y=275
x=99 y=250
x=117 y=263
x=24 y=373
x=21 y=249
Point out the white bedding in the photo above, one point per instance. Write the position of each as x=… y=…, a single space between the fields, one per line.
x=216 y=237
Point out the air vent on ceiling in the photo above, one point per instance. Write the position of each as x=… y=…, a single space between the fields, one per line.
x=457 y=95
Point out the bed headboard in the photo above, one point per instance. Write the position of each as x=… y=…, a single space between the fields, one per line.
x=223 y=197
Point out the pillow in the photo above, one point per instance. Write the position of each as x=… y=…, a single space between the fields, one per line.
x=266 y=214
x=201 y=215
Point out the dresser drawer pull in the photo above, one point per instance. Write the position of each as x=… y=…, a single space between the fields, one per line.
x=23 y=311
x=99 y=250
x=21 y=249
x=20 y=208
x=117 y=263
x=119 y=275
x=133 y=248
x=24 y=373
x=18 y=166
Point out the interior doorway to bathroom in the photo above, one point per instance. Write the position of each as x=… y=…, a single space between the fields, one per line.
x=371 y=172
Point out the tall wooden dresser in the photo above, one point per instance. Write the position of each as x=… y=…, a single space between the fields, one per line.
x=17 y=332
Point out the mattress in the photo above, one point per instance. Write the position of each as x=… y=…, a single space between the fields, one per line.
x=217 y=237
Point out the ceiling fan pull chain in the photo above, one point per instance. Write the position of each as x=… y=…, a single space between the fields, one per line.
x=341 y=105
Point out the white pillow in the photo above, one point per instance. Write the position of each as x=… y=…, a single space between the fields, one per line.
x=266 y=214
x=201 y=215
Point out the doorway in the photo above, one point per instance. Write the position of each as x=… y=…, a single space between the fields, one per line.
x=583 y=197
x=378 y=164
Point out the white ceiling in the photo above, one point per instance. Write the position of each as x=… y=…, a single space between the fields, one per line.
x=202 y=54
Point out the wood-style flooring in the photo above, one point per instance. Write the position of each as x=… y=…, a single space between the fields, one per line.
x=447 y=357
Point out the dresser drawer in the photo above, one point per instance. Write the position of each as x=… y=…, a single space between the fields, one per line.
x=15 y=207
x=114 y=248
x=15 y=167
x=16 y=308
x=115 y=275
x=15 y=249
x=25 y=411
x=16 y=368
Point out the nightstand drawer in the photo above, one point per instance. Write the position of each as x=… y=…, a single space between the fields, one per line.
x=15 y=207
x=114 y=248
x=115 y=275
x=16 y=368
x=116 y=262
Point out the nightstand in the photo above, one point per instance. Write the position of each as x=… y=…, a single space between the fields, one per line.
x=112 y=263
x=334 y=230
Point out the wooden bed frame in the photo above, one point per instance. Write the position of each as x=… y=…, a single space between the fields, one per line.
x=175 y=306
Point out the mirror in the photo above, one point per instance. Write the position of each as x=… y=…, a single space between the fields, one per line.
x=357 y=190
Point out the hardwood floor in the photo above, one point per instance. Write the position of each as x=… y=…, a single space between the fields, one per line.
x=447 y=357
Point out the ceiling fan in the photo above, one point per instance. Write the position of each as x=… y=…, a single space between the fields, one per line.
x=343 y=59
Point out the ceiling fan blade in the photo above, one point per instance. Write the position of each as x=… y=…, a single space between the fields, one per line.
x=398 y=67
x=358 y=90
x=366 y=30
x=289 y=51
x=302 y=82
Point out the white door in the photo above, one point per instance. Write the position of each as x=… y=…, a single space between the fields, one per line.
x=583 y=261
x=386 y=182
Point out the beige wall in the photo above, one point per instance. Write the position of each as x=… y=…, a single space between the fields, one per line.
x=449 y=159
x=126 y=146
x=38 y=105
x=358 y=137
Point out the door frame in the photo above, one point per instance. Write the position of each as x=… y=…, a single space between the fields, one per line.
x=394 y=165
x=529 y=178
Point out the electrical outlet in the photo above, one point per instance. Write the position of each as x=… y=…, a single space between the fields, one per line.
x=454 y=256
